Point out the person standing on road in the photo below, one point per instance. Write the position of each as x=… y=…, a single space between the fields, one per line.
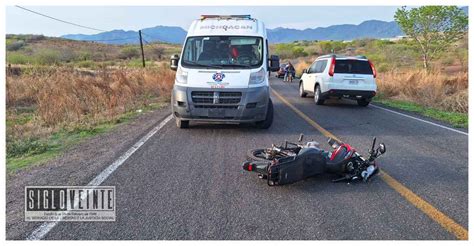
x=289 y=72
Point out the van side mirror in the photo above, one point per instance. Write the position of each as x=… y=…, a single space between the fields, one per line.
x=174 y=62
x=274 y=63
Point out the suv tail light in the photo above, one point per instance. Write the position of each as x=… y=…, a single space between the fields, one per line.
x=373 y=69
x=332 y=66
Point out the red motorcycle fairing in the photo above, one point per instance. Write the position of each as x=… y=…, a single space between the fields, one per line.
x=339 y=158
x=343 y=152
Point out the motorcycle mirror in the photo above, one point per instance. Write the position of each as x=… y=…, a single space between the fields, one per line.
x=382 y=148
x=301 y=137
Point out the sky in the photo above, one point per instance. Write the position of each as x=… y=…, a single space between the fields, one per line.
x=19 y=21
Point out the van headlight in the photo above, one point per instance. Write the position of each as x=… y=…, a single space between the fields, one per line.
x=181 y=76
x=257 y=77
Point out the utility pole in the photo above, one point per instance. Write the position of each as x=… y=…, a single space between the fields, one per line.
x=141 y=46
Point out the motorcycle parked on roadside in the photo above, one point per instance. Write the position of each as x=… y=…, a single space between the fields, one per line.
x=292 y=162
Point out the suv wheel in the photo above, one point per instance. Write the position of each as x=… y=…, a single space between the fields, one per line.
x=265 y=124
x=302 y=93
x=363 y=102
x=317 y=96
x=182 y=123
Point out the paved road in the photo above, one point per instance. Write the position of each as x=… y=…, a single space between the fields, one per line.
x=188 y=183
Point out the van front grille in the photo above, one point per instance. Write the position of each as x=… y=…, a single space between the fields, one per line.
x=216 y=97
x=217 y=106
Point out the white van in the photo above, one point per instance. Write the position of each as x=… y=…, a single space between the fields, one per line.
x=222 y=74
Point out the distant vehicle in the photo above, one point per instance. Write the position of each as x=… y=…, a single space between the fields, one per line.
x=222 y=74
x=334 y=76
x=281 y=72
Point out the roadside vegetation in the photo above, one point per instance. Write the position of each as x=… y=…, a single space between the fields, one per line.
x=426 y=72
x=53 y=102
x=38 y=50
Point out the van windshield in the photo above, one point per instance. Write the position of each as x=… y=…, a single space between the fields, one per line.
x=223 y=52
x=353 y=66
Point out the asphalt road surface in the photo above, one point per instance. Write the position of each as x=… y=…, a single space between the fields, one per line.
x=189 y=184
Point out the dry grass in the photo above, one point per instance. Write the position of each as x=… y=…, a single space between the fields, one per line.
x=300 y=66
x=43 y=102
x=67 y=96
x=432 y=89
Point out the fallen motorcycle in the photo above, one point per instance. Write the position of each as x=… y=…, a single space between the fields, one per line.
x=292 y=162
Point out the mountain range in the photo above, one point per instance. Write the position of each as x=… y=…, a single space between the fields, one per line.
x=176 y=35
x=168 y=34
x=366 y=29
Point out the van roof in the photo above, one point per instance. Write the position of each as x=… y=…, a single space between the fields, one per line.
x=232 y=25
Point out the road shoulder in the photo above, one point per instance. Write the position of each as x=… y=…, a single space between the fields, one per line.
x=76 y=166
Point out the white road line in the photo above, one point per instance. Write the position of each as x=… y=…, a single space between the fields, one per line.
x=425 y=121
x=46 y=227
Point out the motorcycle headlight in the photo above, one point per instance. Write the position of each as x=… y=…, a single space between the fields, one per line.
x=257 y=77
x=181 y=76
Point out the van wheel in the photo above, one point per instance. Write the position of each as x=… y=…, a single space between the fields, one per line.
x=265 y=124
x=182 y=123
x=363 y=102
x=317 y=96
x=302 y=93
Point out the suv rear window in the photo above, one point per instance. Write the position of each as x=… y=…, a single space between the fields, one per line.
x=353 y=66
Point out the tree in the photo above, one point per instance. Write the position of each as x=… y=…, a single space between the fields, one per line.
x=434 y=28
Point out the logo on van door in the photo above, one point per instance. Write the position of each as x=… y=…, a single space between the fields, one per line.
x=218 y=77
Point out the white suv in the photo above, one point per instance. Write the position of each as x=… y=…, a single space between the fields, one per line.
x=340 y=77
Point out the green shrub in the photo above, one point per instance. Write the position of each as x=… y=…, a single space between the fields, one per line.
x=26 y=147
x=137 y=63
x=18 y=58
x=86 y=64
x=47 y=57
x=298 y=52
x=15 y=45
x=380 y=44
x=84 y=55
x=312 y=50
x=325 y=47
x=284 y=50
x=129 y=52
x=291 y=50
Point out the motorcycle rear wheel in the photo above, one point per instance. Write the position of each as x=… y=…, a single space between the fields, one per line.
x=257 y=155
